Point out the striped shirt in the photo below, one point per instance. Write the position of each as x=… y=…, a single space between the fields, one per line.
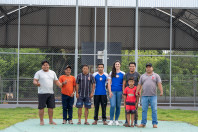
x=84 y=82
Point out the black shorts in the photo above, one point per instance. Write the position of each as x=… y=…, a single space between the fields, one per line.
x=46 y=99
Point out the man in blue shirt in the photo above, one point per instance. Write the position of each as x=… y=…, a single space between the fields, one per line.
x=100 y=96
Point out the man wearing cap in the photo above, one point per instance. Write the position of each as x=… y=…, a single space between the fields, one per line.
x=45 y=79
x=68 y=91
x=149 y=82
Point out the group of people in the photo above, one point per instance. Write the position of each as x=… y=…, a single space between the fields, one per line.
x=87 y=86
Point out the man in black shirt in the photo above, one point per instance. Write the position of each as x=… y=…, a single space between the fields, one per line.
x=136 y=76
x=85 y=85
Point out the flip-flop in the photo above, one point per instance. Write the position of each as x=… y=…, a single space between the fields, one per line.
x=52 y=123
x=86 y=123
x=79 y=123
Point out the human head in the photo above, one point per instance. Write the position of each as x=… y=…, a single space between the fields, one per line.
x=149 y=68
x=68 y=70
x=100 y=68
x=45 y=65
x=131 y=81
x=116 y=66
x=132 y=66
x=85 y=69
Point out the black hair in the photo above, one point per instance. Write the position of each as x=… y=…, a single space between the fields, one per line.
x=44 y=61
x=132 y=63
x=113 y=72
x=85 y=65
x=131 y=78
x=101 y=64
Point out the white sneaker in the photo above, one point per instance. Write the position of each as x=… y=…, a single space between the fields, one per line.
x=110 y=123
x=117 y=123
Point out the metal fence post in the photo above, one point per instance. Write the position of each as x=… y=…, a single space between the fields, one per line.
x=136 y=36
x=105 y=41
x=171 y=28
x=195 y=89
x=76 y=46
x=1 y=86
x=95 y=18
x=19 y=17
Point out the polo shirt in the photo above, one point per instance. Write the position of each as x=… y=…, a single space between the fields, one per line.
x=149 y=84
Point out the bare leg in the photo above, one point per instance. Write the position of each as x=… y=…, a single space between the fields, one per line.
x=128 y=118
x=86 y=114
x=79 y=114
x=132 y=119
x=41 y=114
x=50 y=113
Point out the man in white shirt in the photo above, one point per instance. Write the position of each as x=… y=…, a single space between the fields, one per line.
x=45 y=79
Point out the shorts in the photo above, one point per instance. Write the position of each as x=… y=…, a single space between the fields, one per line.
x=130 y=109
x=83 y=100
x=46 y=99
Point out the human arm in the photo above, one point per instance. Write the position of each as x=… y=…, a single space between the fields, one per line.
x=160 y=88
x=109 y=88
x=124 y=101
x=92 y=91
x=138 y=90
x=36 y=82
x=77 y=95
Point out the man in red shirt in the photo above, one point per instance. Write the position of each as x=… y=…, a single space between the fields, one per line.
x=68 y=91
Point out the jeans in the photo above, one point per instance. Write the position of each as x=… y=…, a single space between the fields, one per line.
x=67 y=104
x=100 y=100
x=115 y=102
x=146 y=100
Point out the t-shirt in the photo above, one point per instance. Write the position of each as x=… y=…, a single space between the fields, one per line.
x=46 y=80
x=85 y=82
x=130 y=93
x=68 y=88
x=136 y=76
x=116 y=83
x=149 y=84
x=100 y=88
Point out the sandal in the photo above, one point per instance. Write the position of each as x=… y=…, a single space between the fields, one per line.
x=127 y=125
x=94 y=123
x=70 y=122
x=132 y=125
x=79 y=123
x=86 y=123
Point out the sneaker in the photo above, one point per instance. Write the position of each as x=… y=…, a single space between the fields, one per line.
x=117 y=123
x=110 y=123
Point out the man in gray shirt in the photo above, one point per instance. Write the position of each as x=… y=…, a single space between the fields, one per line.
x=149 y=82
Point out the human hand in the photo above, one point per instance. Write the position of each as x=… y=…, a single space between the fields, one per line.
x=38 y=84
x=91 y=95
x=161 y=93
x=77 y=95
x=110 y=94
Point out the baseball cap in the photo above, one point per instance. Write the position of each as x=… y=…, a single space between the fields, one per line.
x=148 y=64
x=68 y=66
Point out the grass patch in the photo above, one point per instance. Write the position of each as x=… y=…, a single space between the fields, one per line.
x=12 y=116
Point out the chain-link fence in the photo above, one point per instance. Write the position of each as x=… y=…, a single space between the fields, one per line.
x=167 y=38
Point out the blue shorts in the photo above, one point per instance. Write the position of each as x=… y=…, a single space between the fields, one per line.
x=83 y=100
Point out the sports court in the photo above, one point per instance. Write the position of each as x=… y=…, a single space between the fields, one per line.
x=32 y=125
